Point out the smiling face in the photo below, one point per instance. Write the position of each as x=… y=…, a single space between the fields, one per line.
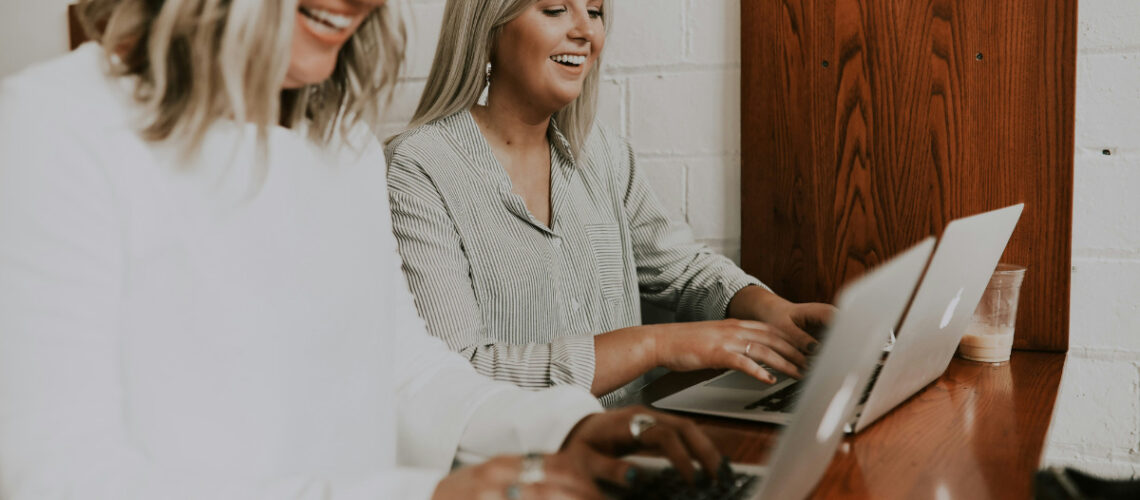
x=542 y=57
x=321 y=28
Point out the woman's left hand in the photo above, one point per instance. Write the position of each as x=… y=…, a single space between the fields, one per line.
x=602 y=437
x=800 y=320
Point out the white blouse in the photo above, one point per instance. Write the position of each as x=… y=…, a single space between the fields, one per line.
x=219 y=329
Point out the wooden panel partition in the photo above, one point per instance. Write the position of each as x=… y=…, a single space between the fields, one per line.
x=75 y=34
x=869 y=124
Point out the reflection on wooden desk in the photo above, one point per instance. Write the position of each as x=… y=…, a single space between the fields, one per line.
x=977 y=432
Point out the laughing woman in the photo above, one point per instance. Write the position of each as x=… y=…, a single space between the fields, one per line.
x=200 y=295
x=529 y=234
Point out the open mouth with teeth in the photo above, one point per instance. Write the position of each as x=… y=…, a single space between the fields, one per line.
x=569 y=60
x=326 y=21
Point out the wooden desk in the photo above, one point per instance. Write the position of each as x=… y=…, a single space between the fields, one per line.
x=977 y=432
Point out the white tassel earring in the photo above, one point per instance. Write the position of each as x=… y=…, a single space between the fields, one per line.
x=486 y=87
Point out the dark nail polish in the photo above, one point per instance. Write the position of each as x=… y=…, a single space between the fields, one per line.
x=631 y=476
x=724 y=471
x=702 y=479
x=813 y=347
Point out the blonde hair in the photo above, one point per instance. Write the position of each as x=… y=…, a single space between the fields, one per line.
x=201 y=60
x=457 y=74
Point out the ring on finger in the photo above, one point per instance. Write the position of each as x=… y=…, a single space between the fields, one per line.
x=640 y=423
x=532 y=469
x=748 y=349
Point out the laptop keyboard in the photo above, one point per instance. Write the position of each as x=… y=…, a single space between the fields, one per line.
x=784 y=400
x=871 y=384
x=668 y=484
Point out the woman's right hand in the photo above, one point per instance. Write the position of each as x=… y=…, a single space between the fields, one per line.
x=730 y=343
x=563 y=477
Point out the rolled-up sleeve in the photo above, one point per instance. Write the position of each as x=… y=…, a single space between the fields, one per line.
x=674 y=271
x=439 y=274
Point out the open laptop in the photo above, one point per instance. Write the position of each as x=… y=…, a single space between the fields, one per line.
x=867 y=307
x=938 y=315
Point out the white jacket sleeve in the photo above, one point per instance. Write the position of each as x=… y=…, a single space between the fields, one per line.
x=62 y=428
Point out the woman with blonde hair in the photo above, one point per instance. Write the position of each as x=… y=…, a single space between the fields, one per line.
x=200 y=295
x=528 y=233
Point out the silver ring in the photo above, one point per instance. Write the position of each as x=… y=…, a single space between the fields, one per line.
x=513 y=492
x=640 y=423
x=532 y=469
x=747 y=348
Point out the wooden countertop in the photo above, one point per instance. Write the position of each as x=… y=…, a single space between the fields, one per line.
x=976 y=432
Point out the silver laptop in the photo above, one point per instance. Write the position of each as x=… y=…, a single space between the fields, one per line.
x=867 y=307
x=968 y=252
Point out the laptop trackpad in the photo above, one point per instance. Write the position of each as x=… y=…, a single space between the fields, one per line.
x=741 y=380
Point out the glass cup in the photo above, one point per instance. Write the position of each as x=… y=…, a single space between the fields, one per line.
x=989 y=338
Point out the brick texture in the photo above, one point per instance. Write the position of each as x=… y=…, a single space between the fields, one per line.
x=1096 y=426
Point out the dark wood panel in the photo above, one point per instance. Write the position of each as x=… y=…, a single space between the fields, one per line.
x=977 y=432
x=869 y=125
x=75 y=34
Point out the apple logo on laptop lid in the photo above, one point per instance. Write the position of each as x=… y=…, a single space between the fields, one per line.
x=949 y=314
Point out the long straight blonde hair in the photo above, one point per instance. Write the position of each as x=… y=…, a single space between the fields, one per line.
x=198 y=61
x=457 y=74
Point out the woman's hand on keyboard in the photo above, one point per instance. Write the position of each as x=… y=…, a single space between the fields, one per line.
x=801 y=324
x=563 y=477
x=600 y=438
x=730 y=343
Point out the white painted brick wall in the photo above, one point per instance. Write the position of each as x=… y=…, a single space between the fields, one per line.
x=1096 y=425
x=1107 y=317
x=689 y=113
x=423 y=31
x=31 y=31
x=714 y=197
x=1107 y=99
x=1108 y=26
x=1105 y=216
x=645 y=33
x=667 y=177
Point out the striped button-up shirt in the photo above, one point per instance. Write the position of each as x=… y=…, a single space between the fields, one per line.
x=522 y=300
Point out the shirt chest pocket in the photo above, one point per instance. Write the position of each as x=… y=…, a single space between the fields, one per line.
x=609 y=263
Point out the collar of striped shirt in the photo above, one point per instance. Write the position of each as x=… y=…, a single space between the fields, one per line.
x=464 y=123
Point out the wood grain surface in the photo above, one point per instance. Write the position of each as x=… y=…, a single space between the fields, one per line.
x=868 y=125
x=977 y=432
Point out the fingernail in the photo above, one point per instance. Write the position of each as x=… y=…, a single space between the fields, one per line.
x=724 y=472
x=812 y=347
x=631 y=476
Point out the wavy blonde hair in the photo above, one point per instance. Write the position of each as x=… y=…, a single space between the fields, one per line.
x=201 y=60
x=457 y=74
